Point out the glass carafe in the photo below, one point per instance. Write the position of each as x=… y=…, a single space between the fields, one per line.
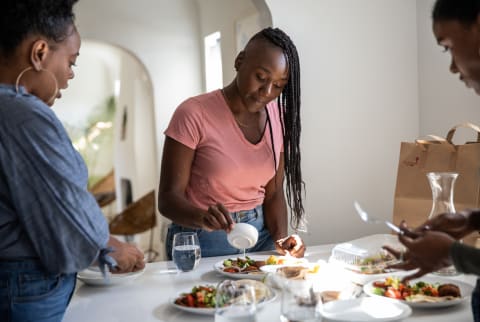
x=442 y=184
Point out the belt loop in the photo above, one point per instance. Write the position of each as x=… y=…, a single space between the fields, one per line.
x=257 y=211
x=234 y=217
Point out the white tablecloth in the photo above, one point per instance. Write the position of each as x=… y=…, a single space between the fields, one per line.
x=149 y=297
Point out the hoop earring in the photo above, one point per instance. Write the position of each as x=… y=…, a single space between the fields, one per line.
x=17 y=82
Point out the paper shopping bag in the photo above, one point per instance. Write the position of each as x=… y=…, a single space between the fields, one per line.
x=413 y=195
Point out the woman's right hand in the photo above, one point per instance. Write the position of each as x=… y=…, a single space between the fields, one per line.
x=217 y=217
x=291 y=245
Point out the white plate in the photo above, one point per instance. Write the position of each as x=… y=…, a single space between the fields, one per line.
x=218 y=266
x=465 y=289
x=301 y=262
x=362 y=279
x=365 y=309
x=211 y=311
x=196 y=310
x=93 y=276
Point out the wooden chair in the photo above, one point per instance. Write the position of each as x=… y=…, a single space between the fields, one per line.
x=138 y=217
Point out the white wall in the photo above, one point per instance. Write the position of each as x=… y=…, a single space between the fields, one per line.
x=444 y=100
x=221 y=15
x=163 y=34
x=359 y=100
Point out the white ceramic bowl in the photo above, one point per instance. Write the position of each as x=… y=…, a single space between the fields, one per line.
x=243 y=236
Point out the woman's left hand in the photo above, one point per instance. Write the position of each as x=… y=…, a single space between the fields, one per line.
x=292 y=245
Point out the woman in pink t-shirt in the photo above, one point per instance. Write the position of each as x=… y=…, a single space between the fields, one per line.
x=227 y=152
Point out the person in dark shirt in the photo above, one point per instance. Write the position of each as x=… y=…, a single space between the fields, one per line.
x=434 y=244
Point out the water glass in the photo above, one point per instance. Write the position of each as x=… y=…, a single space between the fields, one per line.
x=235 y=302
x=300 y=302
x=186 y=251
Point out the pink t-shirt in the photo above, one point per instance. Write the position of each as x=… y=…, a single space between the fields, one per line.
x=227 y=168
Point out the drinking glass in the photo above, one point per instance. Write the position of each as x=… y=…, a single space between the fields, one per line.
x=186 y=251
x=300 y=302
x=235 y=302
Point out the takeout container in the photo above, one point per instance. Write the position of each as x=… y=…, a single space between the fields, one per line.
x=364 y=259
x=243 y=236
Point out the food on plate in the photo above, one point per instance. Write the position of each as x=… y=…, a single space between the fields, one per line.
x=449 y=290
x=293 y=272
x=262 y=292
x=242 y=265
x=420 y=291
x=375 y=260
x=248 y=265
x=328 y=296
x=272 y=260
x=375 y=264
x=202 y=296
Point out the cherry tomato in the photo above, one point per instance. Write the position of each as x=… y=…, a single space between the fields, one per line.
x=393 y=293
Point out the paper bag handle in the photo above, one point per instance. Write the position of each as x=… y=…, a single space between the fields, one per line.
x=468 y=125
x=433 y=139
x=430 y=138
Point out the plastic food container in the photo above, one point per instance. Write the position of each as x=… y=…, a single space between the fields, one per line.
x=364 y=258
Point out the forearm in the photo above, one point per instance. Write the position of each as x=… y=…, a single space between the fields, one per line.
x=113 y=242
x=276 y=217
x=180 y=210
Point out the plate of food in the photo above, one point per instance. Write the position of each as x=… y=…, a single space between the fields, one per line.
x=201 y=299
x=426 y=292
x=243 y=267
x=93 y=276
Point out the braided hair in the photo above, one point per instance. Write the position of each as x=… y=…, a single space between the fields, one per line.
x=289 y=106
x=21 y=18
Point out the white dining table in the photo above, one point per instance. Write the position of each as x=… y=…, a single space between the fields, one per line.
x=149 y=297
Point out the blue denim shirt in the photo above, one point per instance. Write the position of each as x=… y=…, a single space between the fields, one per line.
x=46 y=211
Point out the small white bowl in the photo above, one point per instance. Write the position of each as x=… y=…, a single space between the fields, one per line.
x=243 y=236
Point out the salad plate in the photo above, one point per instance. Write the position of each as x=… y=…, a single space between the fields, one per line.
x=195 y=310
x=424 y=300
x=257 y=266
x=256 y=274
x=264 y=293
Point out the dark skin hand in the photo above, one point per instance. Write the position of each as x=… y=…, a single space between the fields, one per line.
x=427 y=251
x=129 y=258
x=292 y=245
x=456 y=225
x=428 y=245
x=276 y=217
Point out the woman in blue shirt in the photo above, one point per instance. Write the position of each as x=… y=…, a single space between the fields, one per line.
x=50 y=225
